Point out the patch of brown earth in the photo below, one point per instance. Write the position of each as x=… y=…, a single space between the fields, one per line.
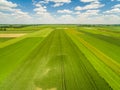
x=11 y=35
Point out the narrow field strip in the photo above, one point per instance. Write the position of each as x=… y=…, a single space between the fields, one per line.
x=15 y=53
x=109 y=46
x=4 y=39
x=101 y=31
x=109 y=39
x=109 y=75
x=26 y=71
x=11 y=35
x=107 y=60
x=82 y=72
x=39 y=33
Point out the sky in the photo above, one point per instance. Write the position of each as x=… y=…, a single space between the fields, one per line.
x=59 y=11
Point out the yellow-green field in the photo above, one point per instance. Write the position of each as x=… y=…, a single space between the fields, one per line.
x=60 y=57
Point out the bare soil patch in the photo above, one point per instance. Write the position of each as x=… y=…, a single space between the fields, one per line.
x=11 y=35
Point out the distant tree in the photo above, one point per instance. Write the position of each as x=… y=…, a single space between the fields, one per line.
x=0 y=28
x=4 y=29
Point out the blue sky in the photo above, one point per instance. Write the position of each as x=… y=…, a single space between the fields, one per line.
x=60 y=11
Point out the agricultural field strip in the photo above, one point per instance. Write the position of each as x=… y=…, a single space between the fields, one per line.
x=16 y=32
x=111 y=77
x=19 y=52
x=104 y=43
x=11 y=35
x=4 y=39
x=74 y=76
x=101 y=31
x=107 y=60
x=29 y=67
x=29 y=28
x=108 y=38
x=81 y=67
x=45 y=56
x=15 y=50
x=41 y=33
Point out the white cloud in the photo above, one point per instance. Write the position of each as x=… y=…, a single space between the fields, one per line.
x=77 y=13
x=78 y=8
x=41 y=11
x=7 y=5
x=92 y=5
x=66 y=19
x=116 y=6
x=99 y=19
x=19 y=14
x=91 y=12
x=88 y=0
x=115 y=10
x=88 y=13
x=64 y=11
x=106 y=19
x=57 y=3
x=82 y=19
x=14 y=18
x=42 y=15
x=9 y=13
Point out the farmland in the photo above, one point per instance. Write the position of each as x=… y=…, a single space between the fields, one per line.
x=60 y=57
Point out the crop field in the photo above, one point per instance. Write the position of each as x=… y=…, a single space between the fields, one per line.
x=60 y=57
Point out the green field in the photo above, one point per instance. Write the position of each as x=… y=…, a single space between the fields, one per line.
x=60 y=57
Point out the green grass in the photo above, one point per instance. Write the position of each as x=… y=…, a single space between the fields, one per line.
x=105 y=72
x=61 y=57
x=4 y=39
x=107 y=44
